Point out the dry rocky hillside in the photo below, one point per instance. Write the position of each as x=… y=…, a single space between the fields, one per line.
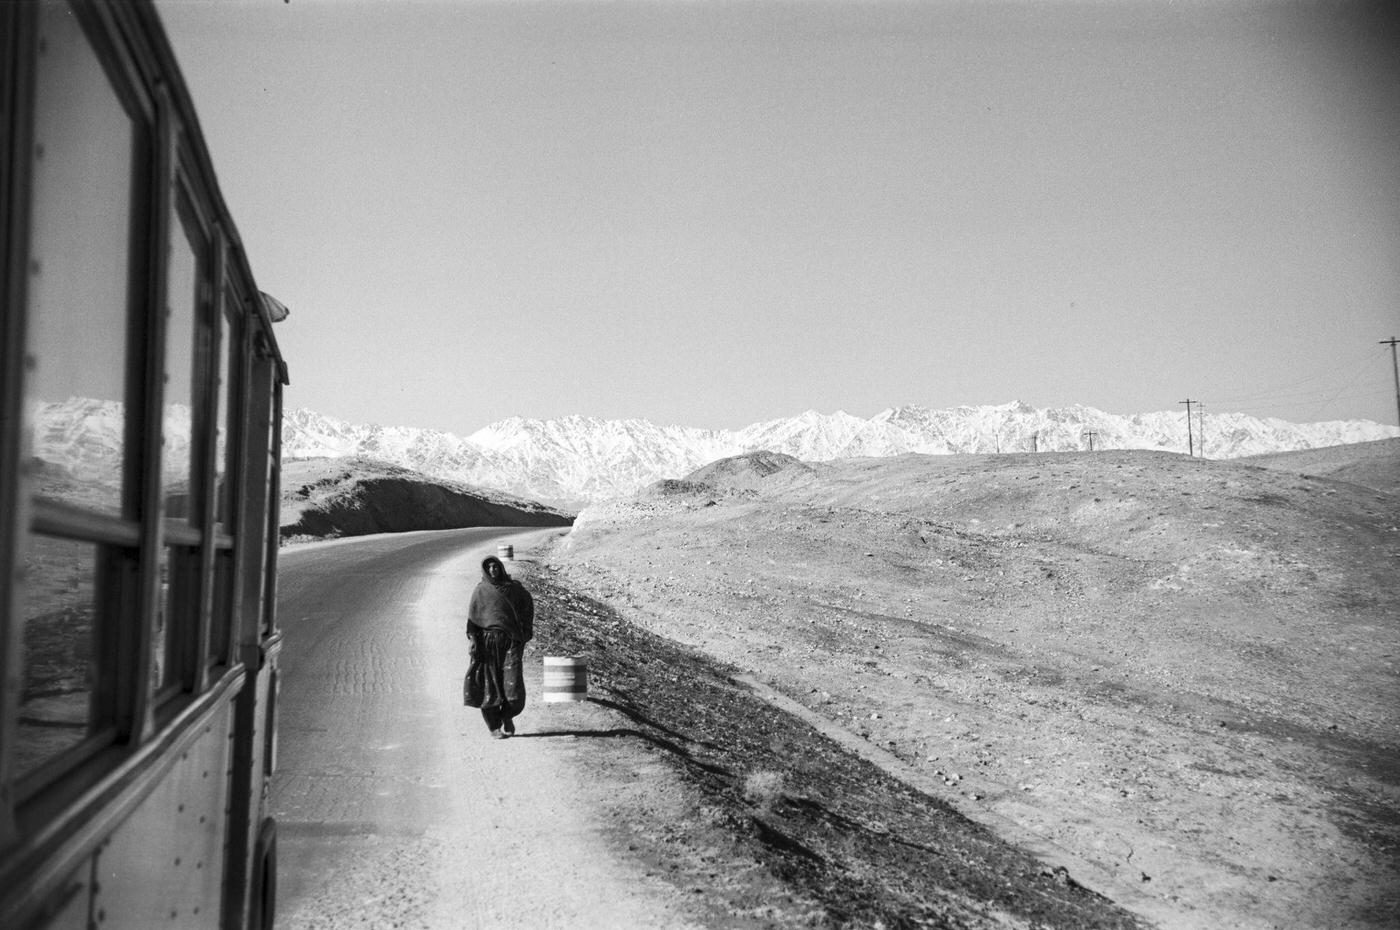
x=1182 y=672
x=326 y=497
x=1374 y=465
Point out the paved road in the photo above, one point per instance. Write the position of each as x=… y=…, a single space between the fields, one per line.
x=395 y=808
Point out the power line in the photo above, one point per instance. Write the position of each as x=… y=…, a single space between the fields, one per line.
x=1316 y=395
x=1341 y=376
x=1296 y=398
x=1348 y=364
x=1311 y=401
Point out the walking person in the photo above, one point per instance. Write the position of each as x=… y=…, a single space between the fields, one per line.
x=500 y=621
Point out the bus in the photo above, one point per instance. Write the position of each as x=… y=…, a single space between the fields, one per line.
x=140 y=431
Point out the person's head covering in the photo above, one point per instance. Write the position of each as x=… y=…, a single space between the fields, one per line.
x=486 y=570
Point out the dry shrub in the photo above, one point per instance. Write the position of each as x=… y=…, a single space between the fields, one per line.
x=763 y=789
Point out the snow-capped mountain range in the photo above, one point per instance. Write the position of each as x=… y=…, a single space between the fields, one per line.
x=574 y=460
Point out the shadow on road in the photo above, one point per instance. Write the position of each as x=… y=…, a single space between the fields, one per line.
x=657 y=741
x=637 y=717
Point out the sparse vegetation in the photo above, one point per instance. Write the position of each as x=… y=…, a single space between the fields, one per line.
x=764 y=790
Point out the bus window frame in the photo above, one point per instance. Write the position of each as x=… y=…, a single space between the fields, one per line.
x=235 y=307
x=118 y=538
x=267 y=610
x=16 y=56
x=189 y=542
x=231 y=308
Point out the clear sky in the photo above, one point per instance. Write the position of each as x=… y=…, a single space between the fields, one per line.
x=714 y=213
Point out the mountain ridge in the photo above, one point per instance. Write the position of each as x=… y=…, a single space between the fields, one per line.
x=579 y=459
x=575 y=460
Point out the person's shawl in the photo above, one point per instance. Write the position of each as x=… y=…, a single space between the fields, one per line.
x=502 y=604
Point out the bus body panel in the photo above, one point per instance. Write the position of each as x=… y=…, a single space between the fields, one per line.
x=73 y=913
x=164 y=865
x=255 y=725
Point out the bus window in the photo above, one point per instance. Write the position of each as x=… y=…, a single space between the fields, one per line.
x=180 y=569
x=59 y=611
x=79 y=267
x=86 y=158
x=226 y=415
x=227 y=452
x=179 y=456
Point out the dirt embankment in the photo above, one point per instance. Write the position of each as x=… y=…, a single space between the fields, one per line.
x=1374 y=465
x=1181 y=671
x=324 y=498
x=772 y=824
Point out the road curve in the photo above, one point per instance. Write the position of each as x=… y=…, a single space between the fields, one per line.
x=395 y=808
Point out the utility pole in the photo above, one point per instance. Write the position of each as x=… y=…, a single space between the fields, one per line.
x=1091 y=436
x=1035 y=441
x=1396 y=366
x=1190 y=437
